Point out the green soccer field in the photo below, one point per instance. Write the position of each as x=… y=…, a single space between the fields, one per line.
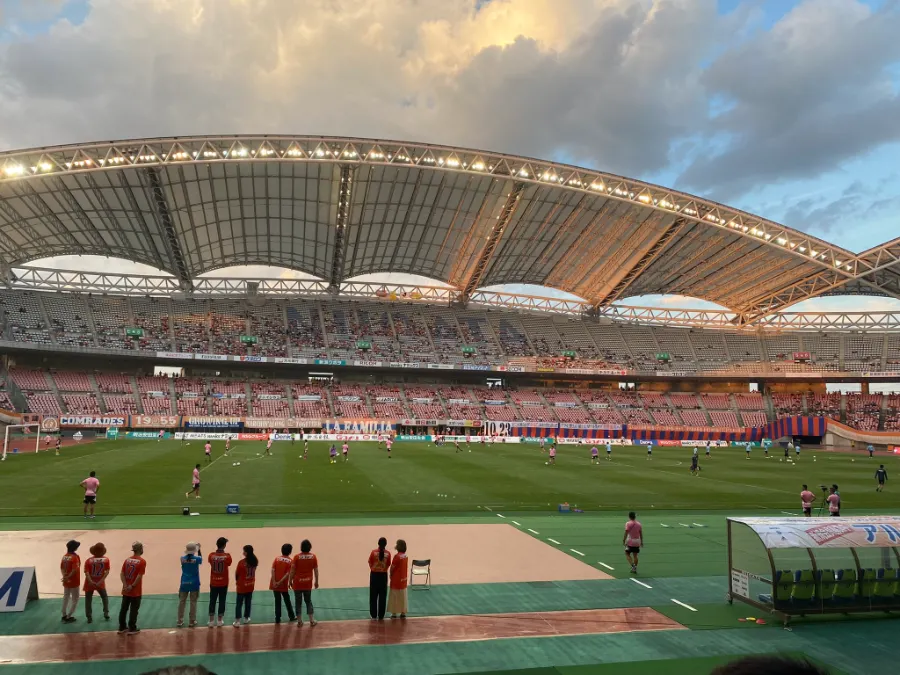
x=146 y=477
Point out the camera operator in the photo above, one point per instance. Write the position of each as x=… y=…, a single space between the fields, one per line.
x=834 y=501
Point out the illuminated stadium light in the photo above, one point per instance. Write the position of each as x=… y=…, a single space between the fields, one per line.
x=294 y=152
x=14 y=170
x=350 y=153
x=598 y=186
x=453 y=162
x=45 y=166
x=478 y=166
x=782 y=240
x=180 y=155
x=523 y=173
x=210 y=154
x=376 y=155
x=644 y=198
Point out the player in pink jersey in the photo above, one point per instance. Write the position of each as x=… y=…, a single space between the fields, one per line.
x=227 y=444
x=208 y=450
x=91 y=485
x=195 y=483
x=633 y=540
x=269 y=447
x=345 y=449
x=595 y=455
x=806 y=501
x=552 y=459
x=389 y=442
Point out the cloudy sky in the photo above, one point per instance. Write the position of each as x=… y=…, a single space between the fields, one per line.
x=786 y=109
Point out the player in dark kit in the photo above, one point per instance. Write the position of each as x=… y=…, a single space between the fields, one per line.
x=880 y=476
x=695 y=465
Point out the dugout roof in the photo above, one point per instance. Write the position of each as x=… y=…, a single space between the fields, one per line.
x=341 y=207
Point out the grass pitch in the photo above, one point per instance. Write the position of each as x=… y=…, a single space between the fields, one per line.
x=149 y=477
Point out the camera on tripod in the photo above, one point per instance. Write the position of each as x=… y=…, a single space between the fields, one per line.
x=824 y=488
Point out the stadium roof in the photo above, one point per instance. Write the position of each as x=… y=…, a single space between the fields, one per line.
x=342 y=207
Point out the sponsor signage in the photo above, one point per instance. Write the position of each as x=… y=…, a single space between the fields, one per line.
x=802 y=356
x=330 y=362
x=285 y=359
x=349 y=399
x=805 y=375
x=564 y=404
x=211 y=357
x=249 y=339
x=545 y=370
x=134 y=332
x=309 y=397
x=174 y=355
x=386 y=399
x=441 y=366
x=609 y=372
x=579 y=371
x=413 y=438
x=463 y=423
x=597 y=406
x=882 y=374
x=662 y=356
x=50 y=424
x=251 y=359
x=474 y=366
x=213 y=421
x=671 y=373
x=270 y=397
x=202 y=436
x=18 y=585
x=368 y=364
x=538 y=404
x=252 y=437
x=189 y=394
x=514 y=369
x=458 y=401
x=154 y=421
x=569 y=354
x=91 y=421
x=156 y=394
x=855 y=533
x=494 y=402
x=146 y=434
x=421 y=400
x=467 y=350
x=363 y=344
x=281 y=437
x=403 y=364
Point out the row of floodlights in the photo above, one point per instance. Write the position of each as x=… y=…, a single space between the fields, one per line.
x=13 y=170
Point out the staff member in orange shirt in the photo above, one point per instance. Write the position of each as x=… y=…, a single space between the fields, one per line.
x=132 y=576
x=70 y=567
x=379 y=562
x=397 y=600
x=304 y=570
x=219 y=563
x=280 y=581
x=96 y=569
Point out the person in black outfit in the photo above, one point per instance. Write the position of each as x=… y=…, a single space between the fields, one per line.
x=379 y=564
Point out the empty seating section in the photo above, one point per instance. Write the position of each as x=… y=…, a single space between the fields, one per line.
x=114 y=382
x=680 y=400
x=511 y=335
x=476 y=332
x=156 y=405
x=723 y=418
x=5 y=401
x=675 y=342
x=892 y=353
x=424 y=403
x=863 y=411
x=230 y=387
x=636 y=416
x=781 y=347
x=709 y=348
x=544 y=336
x=271 y=408
x=191 y=322
x=607 y=416
x=23 y=315
x=120 y=404
x=152 y=316
x=193 y=385
x=350 y=401
x=412 y=335
x=111 y=316
x=575 y=337
x=446 y=337
x=374 y=324
x=227 y=323
x=694 y=418
x=716 y=401
x=667 y=418
x=754 y=418
x=654 y=400
x=68 y=322
x=788 y=405
x=825 y=350
x=81 y=404
x=624 y=399
x=72 y=381
x=268 y=325
x=29 y=380
x=310 y=401
x=340 y=331
x=45 y=404
x=828 y=405
x=229 y=406
x=611 y=346
x=863 y=352
x=751 y=401
x=496 y=405
x=192 y=405
x=148 y=384
x=567 y=406
x=892 y=413
x=642 y=345
x=305 y=330
x=386 y=401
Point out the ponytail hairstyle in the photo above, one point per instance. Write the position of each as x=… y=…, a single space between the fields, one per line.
x=382 y=543
x=252 y=560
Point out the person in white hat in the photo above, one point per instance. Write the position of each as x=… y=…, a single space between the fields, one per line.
x=190 y=583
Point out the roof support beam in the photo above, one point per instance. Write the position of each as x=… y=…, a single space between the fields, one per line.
x=810 y=287
x=168 y=226
x=642 y=259
x=345 y=189
x=470 y=278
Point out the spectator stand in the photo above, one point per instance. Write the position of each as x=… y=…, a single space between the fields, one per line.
x=798 y=566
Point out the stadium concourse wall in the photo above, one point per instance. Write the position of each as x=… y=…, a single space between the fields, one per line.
x=839 y=435
x=144 y=426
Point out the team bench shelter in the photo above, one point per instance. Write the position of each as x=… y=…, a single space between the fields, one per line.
x=798 y=566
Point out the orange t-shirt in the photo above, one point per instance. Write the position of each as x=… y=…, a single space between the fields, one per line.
x=399 y=571
x=245 y=578
x=219 y=562
x=133 y=570
x=302 y=571
x=94 y=569
x=71 y=564
x=281 y=570
x=377 y=565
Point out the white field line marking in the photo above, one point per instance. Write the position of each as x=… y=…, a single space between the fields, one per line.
x=578 y=552
x=790 y=514
x=211 y=463
x=678 y=602
x=663 y=525
x=606 y=566
x=554 y=541
x=641 y=583
x=533 y=531
x=698 y=525
x=516 y=524
x=489 y=509
x=684 y=524
x=500 y=515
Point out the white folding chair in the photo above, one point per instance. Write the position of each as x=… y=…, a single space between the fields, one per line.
x=421 y=568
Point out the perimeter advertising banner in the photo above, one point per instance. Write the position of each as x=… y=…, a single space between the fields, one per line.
x=282 y=423
x=863 y=532
x=358 y=426
x=93 y=421
x=213 y=421
x=154 y=421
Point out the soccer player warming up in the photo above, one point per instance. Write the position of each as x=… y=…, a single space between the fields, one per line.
x=695 y=463
x=346 y=450
x=834 y=502
x=806 y=501
x=608 y=451
x=595 y=455
x=208 y=450
x=195 y=484
x=633 y=540
x=268 y=448
x=552 y=458
x=332 y=454
x=880 y=476
x=304 y=577
x=91 y=485
x=389 y=443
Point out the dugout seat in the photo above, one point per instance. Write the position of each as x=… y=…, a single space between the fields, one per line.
x=804 y=587
x=784 y=585
x=867 y=582
x=887 y=584
x=845 y=585
x=420 y=568
x=825 y=585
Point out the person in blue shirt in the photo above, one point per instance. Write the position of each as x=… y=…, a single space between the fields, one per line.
x=190 y=583
x=871 y=451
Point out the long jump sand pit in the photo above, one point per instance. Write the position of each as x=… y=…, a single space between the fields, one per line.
x=460 y=554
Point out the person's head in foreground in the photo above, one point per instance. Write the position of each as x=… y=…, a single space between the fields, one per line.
x=252 y=560
x=98 y=550
x=769 y=665
x=72 y=546
x=305 y=546
x=137 y=548
x=286 y=549
x=632 y=515
x=382 y=543
x=401 y=546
